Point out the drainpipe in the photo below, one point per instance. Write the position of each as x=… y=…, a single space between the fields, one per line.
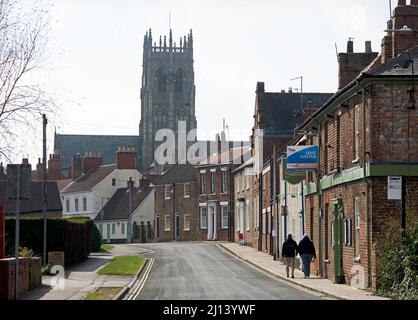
x=231 y=206
x=260 y=212
x=303 y=207
x=366 y=182
x=319 y=191
x=174 y=212
x=285 y=212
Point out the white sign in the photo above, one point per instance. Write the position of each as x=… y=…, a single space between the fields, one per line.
x=394 y=188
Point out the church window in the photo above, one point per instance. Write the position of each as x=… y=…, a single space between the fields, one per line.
x=179 y=81
x=162 y=80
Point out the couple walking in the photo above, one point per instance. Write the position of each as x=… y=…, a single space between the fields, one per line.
x=305 y=249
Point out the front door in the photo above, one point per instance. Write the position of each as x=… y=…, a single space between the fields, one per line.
x=158 y=228
x=177 y=227
x=108 y=232
x=212 y=222
x=338 y=246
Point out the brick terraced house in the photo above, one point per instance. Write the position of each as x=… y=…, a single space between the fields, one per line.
x=276 y=116
x=366 y=133
x=176 y=204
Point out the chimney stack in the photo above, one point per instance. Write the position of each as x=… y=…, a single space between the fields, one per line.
x=25 y=161
x=404 y=15
x=126 y=158
x=91 y=162
x=76 y=166
x=260 y=88
x=2 y=174
x=351 y=63
x=54 y=167
x=144 y=182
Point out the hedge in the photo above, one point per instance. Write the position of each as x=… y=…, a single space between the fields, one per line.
x=74 y=238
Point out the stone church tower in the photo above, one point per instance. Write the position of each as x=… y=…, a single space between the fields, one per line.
x=168 y=89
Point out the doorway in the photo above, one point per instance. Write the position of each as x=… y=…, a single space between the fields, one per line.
x=212 y=236
x=337 y=241
x=177 y=227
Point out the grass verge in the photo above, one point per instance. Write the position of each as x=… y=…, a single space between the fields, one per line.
x=122 y=266
x=103 y=294
x=106 y=248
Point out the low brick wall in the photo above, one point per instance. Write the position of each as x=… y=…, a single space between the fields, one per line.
x=35 y=273
x=7 y=278
x=55 y=259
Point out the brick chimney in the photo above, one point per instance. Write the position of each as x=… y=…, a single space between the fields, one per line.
x=92 y=161
x=126 y=158
x=25 y=161
x=76 y=166
x=39 y=169
x=352 y=63
x=308 y=111
x=54 y=167
x=144 y=182
x=405 y=15
x=260 y=88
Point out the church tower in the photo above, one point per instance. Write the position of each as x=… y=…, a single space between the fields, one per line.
x=168 y=89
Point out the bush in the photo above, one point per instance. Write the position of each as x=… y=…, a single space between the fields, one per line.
x=96 y=239
x=398 y=268
x=73 y=238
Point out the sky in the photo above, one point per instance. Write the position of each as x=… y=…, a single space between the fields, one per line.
x=97 y=50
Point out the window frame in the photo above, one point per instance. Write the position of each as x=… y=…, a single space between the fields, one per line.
x=187 y=190
x=167 y=226
x=224 y=213
x=84 y=204
x=357 y=222
x=224 y=181
x=76 y=207
x=167 y=190
x=213 y=182
x=202 y=185
x=67 y=205
x=186 y=222
x=113 y=228
x=205 y=220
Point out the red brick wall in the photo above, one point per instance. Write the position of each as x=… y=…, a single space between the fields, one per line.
x=2 y=235
x=91 y=163
x=126 y=160
x=7 y=278
x=389 y=124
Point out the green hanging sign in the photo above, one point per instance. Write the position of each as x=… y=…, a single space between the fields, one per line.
x=292 y=177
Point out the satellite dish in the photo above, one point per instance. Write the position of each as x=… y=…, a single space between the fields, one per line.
x=404 y=60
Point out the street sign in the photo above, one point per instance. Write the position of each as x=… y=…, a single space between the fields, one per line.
x=394 y=188
x=302 y=158
x=292 y=177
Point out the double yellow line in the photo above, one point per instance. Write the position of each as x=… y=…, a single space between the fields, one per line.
x=137 y=288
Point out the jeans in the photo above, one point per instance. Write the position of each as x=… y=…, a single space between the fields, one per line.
x=306 y=261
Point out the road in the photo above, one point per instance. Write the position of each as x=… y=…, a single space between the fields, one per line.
x=202 y=271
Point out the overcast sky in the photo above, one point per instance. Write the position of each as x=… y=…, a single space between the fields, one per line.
x=237 y=43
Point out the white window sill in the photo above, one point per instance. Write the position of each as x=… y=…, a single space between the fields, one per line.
x=357 y=260
x=356 y=161
x=327 y=261
x=186 y=197
x=167 y=198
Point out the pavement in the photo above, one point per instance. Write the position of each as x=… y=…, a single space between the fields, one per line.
x=81 y=279
x=202 y=271
x=277 y=269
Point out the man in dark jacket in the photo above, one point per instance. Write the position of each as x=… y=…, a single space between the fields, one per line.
x=289 y=252
x=307 y=254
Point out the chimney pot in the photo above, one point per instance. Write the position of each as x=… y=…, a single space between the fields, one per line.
x=368 y=47
x=260 y=87
x=350 y=46
x=401 y=3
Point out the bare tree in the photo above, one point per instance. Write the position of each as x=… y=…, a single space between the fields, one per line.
x=24 y=37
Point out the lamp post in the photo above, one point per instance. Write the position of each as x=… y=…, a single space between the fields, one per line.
x=130 y=187
x=102 y=216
